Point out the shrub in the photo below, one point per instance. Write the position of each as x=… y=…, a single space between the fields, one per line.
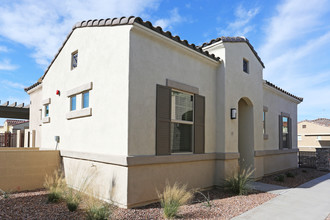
x=97 y=210
x=239 y=182
x=72 y=198
x=173 y=197
x=5 y=195
x=279 y=178
x=55 y=185
x=207 y=202
x=289 y=174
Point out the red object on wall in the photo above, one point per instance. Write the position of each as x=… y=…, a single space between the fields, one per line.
x=57 y=92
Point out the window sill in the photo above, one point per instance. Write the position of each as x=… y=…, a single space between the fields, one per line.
x=86 y=112
x=265 y=136
x=45 y=120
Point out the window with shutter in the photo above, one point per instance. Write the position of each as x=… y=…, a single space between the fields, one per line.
x=180 y=122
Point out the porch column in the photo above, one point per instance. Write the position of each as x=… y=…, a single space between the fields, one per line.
x=18 y=138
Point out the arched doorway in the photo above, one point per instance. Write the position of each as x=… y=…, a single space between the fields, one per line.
x=246 y=133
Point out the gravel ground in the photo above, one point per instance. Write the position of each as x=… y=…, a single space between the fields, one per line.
x=224 y=205
x=301 y=175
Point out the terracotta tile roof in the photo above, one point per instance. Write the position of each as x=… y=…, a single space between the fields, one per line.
x=282 y=90
x=319 y=121
x=15 y=122
x=32 y=86
x=234 y=40
x=126 y=21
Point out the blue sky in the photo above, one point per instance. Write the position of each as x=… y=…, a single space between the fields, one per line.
x=292 y=38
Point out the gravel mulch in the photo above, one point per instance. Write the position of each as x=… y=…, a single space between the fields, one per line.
x=224 y=205
x=33 y=205
x=301 y=175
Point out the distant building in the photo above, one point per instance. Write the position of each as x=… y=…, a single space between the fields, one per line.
x=314 y=134
x=13 y=125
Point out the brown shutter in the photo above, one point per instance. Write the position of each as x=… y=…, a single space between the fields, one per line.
x=163 y=120
x=199 y=125
x=290 y=133
x=280 y=126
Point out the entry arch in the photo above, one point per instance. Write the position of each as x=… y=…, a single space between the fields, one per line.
x=246 y=133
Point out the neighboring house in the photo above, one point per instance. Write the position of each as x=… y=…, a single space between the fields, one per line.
x=14 y=125
x=314 y=134
x=143 y=107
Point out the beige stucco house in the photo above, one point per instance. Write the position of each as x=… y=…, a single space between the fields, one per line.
x=314 y=134
x=14 y=125
x=142 y=107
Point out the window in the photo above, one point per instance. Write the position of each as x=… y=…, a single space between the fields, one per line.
x=47 y=110
x=299 y=138
x=303 y=126
x=85 y=99
x=285 y=131
x=319 y=138
x=73 y=101
x=263 y=122
x=245 y=65
x=181 y=121
x=74 y=59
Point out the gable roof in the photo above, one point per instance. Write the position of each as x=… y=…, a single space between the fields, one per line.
x=282 y=90
x=234 y=40
x=125 y=21
x=320 y=121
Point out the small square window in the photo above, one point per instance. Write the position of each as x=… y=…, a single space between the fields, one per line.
x=73 y=101
x=245 y=65
x=85 y=99
x=46 y=110
x=74 y=60
x=304 y=126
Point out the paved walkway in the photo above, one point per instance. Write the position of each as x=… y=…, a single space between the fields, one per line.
x=310 y=201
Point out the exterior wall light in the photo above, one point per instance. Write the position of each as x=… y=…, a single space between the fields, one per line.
x=233 y=113
x=58 y=92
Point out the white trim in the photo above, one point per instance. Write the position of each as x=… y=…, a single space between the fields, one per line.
x=80 y=89
x=46 y=101
x=45 y=120
x=85 y=112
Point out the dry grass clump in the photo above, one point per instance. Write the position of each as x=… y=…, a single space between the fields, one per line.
x=173 y=197
x=239 y=182
x=55 y=185
x=97 y=209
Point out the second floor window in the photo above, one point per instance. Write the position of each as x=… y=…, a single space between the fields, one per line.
x=85 y=99
x=46 y=110
x=73 y=101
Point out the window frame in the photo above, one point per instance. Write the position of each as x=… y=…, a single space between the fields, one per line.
x=73 y=54
x=176 y=121
x=75 y=104
x=288 y=134
x=247 y=66
x=46 y=107
x=83 y=99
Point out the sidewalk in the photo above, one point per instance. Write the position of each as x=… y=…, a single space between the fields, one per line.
x=310 y=201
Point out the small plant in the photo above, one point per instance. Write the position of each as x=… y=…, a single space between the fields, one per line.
x=173 y=197
x=97 y=210
x=207 y=202
x=239 y=182
x=55 y=184
x=279 y=178
x=289 y=174
x=304 y=171
x=72 y=199
x=5 y=195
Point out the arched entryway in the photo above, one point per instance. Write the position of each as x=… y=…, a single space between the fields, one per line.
x=246 y=133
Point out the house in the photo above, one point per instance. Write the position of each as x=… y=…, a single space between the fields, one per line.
x=143 y=107
x=14 y=125
x=314 y=134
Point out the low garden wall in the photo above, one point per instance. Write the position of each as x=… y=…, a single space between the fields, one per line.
x=323 y=159
x=25 y=168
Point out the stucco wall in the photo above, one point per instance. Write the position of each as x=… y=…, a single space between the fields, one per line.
x=25 y=169
x=103 y=60
x=313 y=136
x=35 y=113
x=152 y=61
x=278 y=103
x=88 y=175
